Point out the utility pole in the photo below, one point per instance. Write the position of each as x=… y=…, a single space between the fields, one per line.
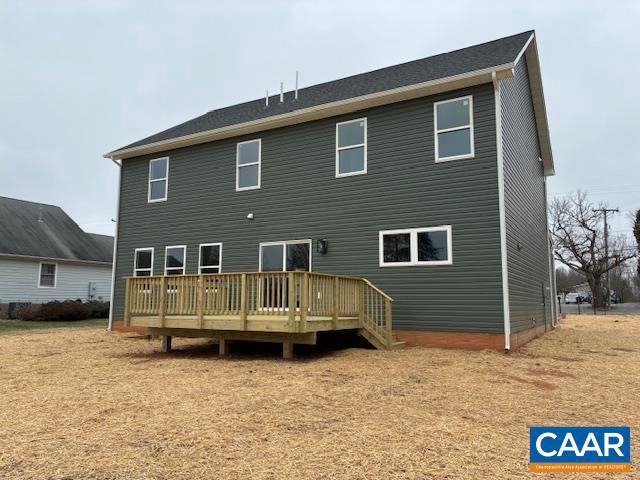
x=606 y=211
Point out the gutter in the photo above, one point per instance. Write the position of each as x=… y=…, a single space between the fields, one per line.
x=503 y=226
x=115 y=247
x=54 y=259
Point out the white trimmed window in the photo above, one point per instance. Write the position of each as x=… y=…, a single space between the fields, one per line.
x=47 y=275
x=143 y=262
x=416 y=246
x=174 y=260
x=158 y=179
x=248 y=165
x=210 y=258
x=453 y=120
x=351 y=147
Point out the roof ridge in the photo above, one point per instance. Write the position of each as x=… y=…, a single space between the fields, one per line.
x=31 y=201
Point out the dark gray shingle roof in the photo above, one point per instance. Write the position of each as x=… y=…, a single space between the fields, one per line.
x=40 y=230
x=477 y=57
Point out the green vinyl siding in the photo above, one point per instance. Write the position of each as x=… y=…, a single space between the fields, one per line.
x=301 y=198
x=525 y=207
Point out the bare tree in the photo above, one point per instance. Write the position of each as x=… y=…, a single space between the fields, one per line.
x=579 y=241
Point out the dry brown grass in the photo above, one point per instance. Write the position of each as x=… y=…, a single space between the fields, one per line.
x=92 y=405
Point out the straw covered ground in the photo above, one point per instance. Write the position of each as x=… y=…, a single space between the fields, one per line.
x=87 y=404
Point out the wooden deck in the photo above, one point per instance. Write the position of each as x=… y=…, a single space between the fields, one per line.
x=264 y=306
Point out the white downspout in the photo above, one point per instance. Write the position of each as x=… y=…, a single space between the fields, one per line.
x=115 y=246
x=503 y=226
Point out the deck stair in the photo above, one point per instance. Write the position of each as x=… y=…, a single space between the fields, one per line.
x=287 y=307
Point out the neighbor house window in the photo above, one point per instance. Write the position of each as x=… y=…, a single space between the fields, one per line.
x=351 y=147
x=210 y=258
x=454 y=128
x=174 y=260
x=248 y=165
x=48 y=273
x=143 y=262
x=416 y=246
x=158 y=179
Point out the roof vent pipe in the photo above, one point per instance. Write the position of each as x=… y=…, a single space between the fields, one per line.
x=281 y=92
x=266 y=99
x=296 y=94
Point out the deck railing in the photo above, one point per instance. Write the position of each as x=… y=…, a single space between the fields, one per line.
x=298 y=296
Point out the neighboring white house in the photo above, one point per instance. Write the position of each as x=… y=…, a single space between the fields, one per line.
x=45 y=255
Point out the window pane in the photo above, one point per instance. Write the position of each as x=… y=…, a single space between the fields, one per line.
x=209 y=270
x=210 y=255
x=175 y=271
x=142 y=273
x=432 y=246
x=248 y=176
x=143 y=259
x=298 y=257
x=396 y=247
x=453 y=114
x=175 y=257
x=272 y=258
x=351 y=160
x=351 y=133
x=248 y=152
x=158 y=169
x=48 y=269
x=452 y=144
x=158 y=189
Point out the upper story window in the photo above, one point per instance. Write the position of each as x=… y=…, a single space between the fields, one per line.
x=48 y=274
x=248 y=165
x=454 y=128
x=210 y=258
x=416 y=246
x=143 y=262
x=158 y=179
x=351 y=147
x=174 y=260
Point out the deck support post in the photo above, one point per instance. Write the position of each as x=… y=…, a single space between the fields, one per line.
x=166 y=343
x=287 y=350
x=223 y=347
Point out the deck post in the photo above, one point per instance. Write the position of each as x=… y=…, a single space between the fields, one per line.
x=361 y=291
x=335 y=303
x=287 y=350
x=166 y=343
x=200 y=304
x=304 y=301
x=243 y=301
x=223 y=347
x=163 y=300
x=388 y=323
x=292 y=301
x=127 y=303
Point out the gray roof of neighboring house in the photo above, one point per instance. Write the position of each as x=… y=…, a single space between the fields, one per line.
x=477 y=57
x=39 y=230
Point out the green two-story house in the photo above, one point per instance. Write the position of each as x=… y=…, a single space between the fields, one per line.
x=414 y=193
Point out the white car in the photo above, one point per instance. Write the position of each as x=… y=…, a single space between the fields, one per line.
x=571 y=298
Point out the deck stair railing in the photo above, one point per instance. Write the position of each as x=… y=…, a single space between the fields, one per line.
x=296 y=296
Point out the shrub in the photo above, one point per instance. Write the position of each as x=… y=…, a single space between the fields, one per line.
x=55 y=311
x=98 y=309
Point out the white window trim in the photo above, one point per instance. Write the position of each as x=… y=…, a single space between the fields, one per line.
x=284 y=252
x=165 y=178
x=184 y=259
x=55 y=276
x=413 y=245
x=444 y=130
x=349 y=147
x=135 y=261
x=200 y=266
x=259 y=163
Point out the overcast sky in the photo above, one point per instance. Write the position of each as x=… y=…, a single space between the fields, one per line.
x=80 y=78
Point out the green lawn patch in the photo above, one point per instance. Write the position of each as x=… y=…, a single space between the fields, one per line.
x=7 y=326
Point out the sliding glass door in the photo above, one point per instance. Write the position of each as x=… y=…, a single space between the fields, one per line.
x=292 y=256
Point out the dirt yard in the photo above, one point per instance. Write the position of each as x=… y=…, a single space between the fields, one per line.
x=86 y=404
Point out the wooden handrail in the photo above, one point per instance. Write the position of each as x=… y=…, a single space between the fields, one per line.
x=371 y=285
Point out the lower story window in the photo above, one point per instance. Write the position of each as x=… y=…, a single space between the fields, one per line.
x=174 y=260
x=48 y=275
x=416 y=246
x=143 y=263
x=210 y=258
